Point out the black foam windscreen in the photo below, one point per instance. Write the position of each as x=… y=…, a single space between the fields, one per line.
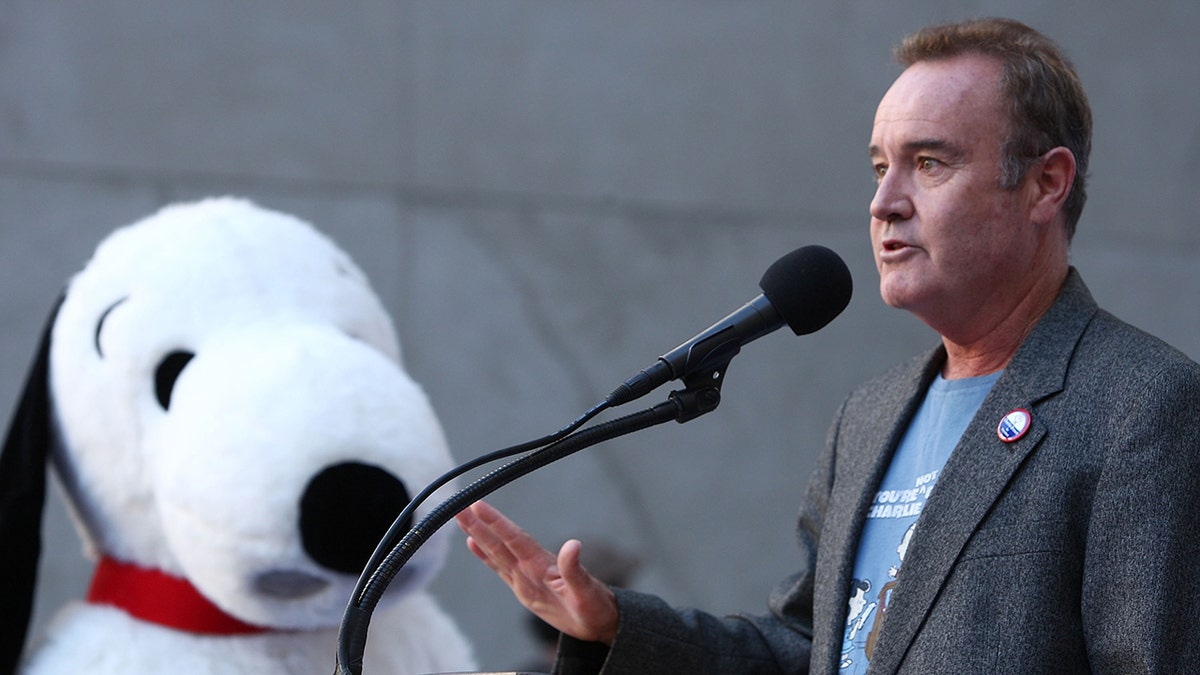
x=809 y=287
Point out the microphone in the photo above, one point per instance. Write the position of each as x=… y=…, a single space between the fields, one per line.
x=806 y=289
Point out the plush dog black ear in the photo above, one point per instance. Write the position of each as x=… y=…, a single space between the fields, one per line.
x=22 y=496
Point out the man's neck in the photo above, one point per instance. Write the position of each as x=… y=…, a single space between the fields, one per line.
x=993 y=350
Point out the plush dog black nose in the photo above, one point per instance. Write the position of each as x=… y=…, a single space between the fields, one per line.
x=346 y=509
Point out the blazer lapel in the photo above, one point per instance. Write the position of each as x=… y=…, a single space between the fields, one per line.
x=980 y=469
x=870 y=444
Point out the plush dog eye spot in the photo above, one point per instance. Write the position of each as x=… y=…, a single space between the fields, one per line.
x=100 y=325
x=167 y=373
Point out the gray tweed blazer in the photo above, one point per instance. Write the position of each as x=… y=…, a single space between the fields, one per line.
x=1074 y=549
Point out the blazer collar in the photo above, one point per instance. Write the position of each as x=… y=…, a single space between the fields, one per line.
x=980 y=467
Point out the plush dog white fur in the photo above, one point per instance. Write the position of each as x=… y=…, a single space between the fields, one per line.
x=229 y=397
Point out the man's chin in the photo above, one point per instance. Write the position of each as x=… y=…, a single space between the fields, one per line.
x=896 y=293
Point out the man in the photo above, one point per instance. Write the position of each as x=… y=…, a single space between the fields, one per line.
x=1020 y=498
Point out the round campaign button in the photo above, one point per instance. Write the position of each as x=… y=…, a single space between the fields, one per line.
x=1014 y=425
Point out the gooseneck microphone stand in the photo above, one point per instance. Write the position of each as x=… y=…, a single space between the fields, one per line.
x=702 y=394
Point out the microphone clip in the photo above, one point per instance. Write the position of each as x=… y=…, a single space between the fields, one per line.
x=703 y=391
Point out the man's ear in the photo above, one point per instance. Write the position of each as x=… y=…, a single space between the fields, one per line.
x=1050 y=180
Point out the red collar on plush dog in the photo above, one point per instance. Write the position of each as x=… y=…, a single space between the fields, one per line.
x=157 y=597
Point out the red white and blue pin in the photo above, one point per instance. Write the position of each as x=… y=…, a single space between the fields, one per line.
x=1014 y=425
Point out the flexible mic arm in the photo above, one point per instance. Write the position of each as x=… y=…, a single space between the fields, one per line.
x=701 y=396
x=403 y=521
x=805 y=289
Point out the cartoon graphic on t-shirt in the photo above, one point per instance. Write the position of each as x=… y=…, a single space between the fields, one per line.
x=899 y=502
x=885 y=593
x=860 y=611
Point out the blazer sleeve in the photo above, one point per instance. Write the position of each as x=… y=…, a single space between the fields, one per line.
x=655 y=638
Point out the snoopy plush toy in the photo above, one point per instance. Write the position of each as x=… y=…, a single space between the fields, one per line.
x=220 y=393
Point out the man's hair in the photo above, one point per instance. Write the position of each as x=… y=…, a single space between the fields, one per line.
x=1047 y=105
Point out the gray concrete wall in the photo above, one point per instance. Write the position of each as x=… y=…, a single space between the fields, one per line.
x=548 y=195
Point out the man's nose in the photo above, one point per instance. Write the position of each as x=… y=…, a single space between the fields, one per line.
x=892 y=200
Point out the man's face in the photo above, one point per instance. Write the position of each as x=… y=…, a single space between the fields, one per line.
x=948 y=241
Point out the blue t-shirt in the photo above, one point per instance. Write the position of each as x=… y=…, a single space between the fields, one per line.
x=941 y=420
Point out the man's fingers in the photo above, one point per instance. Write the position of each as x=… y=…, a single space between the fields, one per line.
x=569 y=566
x=485 y=540
x=557 y=588
x=505 y=548
x=473 y=547
x=591 y=603
x=518 y=542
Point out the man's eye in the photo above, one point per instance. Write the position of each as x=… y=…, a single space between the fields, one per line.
x=928 y=164
x=879 y=170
